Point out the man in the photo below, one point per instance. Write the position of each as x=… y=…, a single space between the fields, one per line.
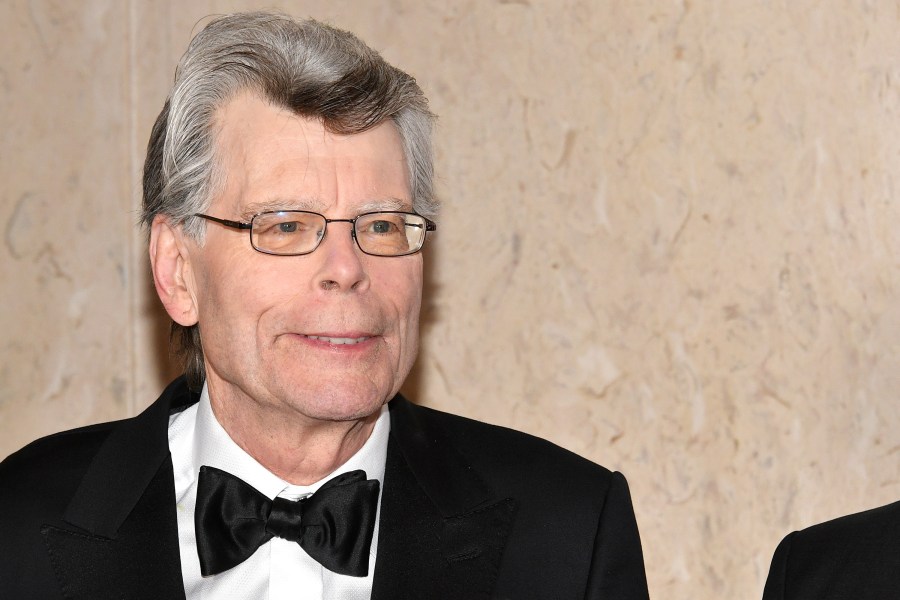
x=856 y=557
x=288 y=193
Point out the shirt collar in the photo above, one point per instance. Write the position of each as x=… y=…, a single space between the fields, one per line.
x=215 y=448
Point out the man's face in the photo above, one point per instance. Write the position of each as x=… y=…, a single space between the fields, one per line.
x=329 y=335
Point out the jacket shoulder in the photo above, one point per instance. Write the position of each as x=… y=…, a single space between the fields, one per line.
x=854 y=556
x=36 y=485
x=577 y=509
x=43 y=474
x=513 y=459
x=873 y=534
x=880 y=522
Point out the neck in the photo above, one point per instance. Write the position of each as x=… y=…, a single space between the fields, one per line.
x=294 y=447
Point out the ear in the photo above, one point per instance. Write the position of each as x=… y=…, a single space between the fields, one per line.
x=172 y=271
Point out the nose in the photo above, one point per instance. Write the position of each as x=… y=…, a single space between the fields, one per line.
x=341 y=267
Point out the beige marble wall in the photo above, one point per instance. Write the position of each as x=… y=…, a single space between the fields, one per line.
x=669 y=242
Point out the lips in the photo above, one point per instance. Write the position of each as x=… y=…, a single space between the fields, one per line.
x=338 y=341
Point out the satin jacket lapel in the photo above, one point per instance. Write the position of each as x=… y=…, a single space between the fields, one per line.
x=123 y=542
x=442 y=530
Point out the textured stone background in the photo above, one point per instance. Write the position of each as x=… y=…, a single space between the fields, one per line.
x=669 y=242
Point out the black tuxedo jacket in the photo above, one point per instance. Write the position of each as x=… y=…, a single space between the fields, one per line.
x=856 y=557
x=468 y=511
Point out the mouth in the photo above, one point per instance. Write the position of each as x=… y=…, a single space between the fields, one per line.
x=338 y=341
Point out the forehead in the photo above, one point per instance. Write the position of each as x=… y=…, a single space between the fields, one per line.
x=272 y=158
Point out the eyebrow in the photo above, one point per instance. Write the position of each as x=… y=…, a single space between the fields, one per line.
x=278 y=204
x=385 y=204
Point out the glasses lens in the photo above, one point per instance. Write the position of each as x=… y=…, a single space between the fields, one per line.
x=287 y=232
x=390 y=233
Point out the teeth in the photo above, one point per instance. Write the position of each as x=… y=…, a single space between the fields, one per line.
x=337 y=340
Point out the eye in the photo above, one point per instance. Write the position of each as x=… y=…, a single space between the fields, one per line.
x=382 y=227
x=287 y=227
x=381 y=224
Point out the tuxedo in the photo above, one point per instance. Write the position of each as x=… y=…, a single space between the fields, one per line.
x=856 y=557
x=468 y=511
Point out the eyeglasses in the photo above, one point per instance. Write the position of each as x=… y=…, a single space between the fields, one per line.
x=297 y=232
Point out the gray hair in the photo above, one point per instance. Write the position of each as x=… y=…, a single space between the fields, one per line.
x=307 y=67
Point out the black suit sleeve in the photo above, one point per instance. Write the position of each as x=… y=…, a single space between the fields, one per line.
x=617 y=568
x=775 y=583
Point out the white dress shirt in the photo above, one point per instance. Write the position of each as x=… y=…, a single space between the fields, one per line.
x=279 y=569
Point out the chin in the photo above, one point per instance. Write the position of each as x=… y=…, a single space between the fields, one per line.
x=338 y=415
x=337 y=406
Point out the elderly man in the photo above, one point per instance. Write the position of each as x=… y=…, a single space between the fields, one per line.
x=288 y=194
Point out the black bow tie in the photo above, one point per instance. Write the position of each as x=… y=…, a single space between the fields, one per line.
x=334 y=525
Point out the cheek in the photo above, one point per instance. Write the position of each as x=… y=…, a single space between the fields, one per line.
x=408 y=300
x=231 y=292
x=414 y=306
x=409 y=348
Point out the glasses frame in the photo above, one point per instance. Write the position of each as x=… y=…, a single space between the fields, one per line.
x=429 y=226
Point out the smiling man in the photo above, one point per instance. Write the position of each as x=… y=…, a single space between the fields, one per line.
x=288 y=195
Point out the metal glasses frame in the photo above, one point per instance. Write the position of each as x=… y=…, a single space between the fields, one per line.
x=429 y=226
